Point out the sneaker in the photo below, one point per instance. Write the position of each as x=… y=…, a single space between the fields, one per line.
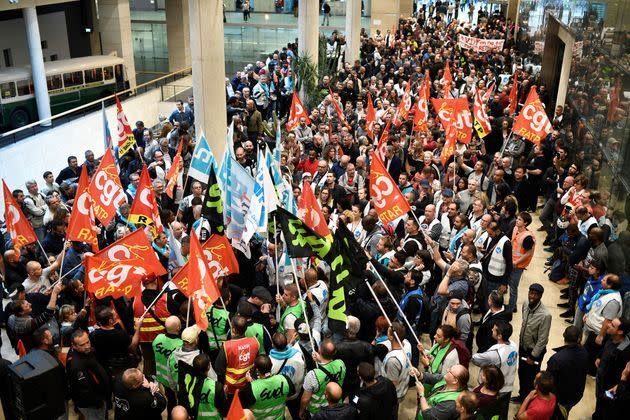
x=548 y=242
x=568 y=314
x=564 y=305
x=548 y=249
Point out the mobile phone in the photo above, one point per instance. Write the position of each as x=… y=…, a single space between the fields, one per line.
x=610 y=395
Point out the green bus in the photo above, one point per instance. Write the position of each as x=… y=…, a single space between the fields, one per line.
x=71 y=83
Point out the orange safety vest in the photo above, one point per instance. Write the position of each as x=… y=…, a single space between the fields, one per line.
x=517 y=247
x=151 y=328
x=239 y=356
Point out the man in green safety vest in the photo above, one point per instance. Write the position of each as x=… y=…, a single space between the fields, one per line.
x=328 y=370
x=163 y=346
x=441 y=401
x=200 y=394
x=218 y=324
x=266 y=396
x=255 y=329
x=292 y=311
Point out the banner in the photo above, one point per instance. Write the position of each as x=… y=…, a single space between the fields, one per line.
x=239 y=189
x=532 y=123
x=311 y=213
x=301 y=240
x=212 y=209
x=297 y=111
x=81 y=226
x=370 y=117
x=119 y=278
x=176 y=168
x=134 y=246
x=482 y=123
x=455 y=112
x=18 y=226
x=202 y=161
x=105 y=189
x=126 y=140
x=144 y=209
x=449 y=147
x=479 y=44
x=387 y=199
x=263 y=202
x=404 y=107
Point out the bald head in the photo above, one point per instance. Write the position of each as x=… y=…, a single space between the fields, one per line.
x=173 y=325
x=345 y=159
x=333 y=393
x=132 y=378
x=179 y=413
x=11 y=256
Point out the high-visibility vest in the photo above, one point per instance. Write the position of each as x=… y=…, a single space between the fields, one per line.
x=271 y=396
x=151 y=327
x=336 y=370
x=163 y=346
x=295 y=310
x=497 y=264
x=218 y=327
x=439 y=397
x=517 y=247
x=258 y=332
x=207 y=409
x=239 y=356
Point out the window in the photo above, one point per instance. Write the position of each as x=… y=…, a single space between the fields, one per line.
x=54 y=57
x=94 y=75
x=8 y=57
x=24 y=87
x=54 y=82
x=73 y=79
x=109 y=72
x=44 y=45
x=7 y=89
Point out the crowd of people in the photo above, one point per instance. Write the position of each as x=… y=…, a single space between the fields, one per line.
x=436 y=300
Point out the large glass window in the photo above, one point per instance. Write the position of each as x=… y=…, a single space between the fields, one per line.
x=109 y=72
x=7 y=90
x=73 y=79
x=54 y=82
x=24 y=87
x=94 y=75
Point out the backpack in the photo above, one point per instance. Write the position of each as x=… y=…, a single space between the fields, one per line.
x=558 y=270
x=462 y=352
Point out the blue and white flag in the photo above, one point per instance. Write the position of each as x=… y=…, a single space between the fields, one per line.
x=202 y=160
x=264 y=201
x=175 y=258
x=239 y=188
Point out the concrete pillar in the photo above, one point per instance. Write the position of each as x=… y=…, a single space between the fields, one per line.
x=208 y=67
x=565 y=69
x=115 y=29
x=406 y=8
x=353 y=30
x=384 y=15
x=512 y=9
x=37 y=64
x=178 y=34
x=308 y=29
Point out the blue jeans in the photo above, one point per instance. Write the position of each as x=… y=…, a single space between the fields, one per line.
x=514 y=280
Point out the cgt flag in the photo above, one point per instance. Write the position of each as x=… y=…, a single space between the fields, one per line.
x=338 y=109
x=311 y=213
x=532 y=123
x=482 y=123
x=137 y=247
x=421 y=114
x=82 y=227
x=126 y=140
x=514 y=94
x=404 y=107
x=455 y=112
x=19 y=228
x=388 y=201
x=105 y=190
x=297 y=111
x=301 y=240
x=449 y=147
x=370 y=117
x=220 y=256
x=447 y=81
x=176 y=168
x=113 y=278
x=144 y=210
x=212 y=209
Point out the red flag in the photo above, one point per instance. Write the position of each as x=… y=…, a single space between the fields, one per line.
x=311 y=213
x=449 y=147
x=404 y=107
x=82 y=227
x=382 y=141
x=338 y=109
x=198 y=269
x=174 y=170
x=19 y=228
x=421 y=113
x=614 y=102
x=220 y=256
x=104 y=277
x=427 y=84
x=126 y=140
x=482 y=123
x=532 y=123
x=144 y=210
x=236 y=409
x=297 y=111
x=514 y=94
x=455 y=112
x=182 y=281
x=488 y=93
x=201 y=303
x=21 y=350
x=370 y=117
x=388 y=201
x=134 y=246
x=105 y=190
x=447 y=81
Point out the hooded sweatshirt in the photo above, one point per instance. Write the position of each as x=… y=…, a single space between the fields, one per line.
x=378 y=401
x=293 y=368
x=186 y=356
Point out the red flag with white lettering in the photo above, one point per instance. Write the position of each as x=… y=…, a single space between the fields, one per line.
x=338 y=110
x=370 y=117
x=532 y=123
x=201 y=302
x=198 y=268
x=19 y=228
x=404 y=107
x=297 y=111
x=105 y=189
x=126 y=140
x=382 y=141
x=387 y=199
x=449 y=146
x=457 y=113
x=311 y=213
x=482 y=123
x=447 y=81
x=220 y=256
x=104 y=277
x=421 y=114
x=82 y=227
x=144 y=210
x=135 y=246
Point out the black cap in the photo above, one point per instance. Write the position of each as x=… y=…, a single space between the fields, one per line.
x=262 y=294
x=537 y=287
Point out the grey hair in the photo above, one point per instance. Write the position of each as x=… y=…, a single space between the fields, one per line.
x=30 y=182
x=353 y=325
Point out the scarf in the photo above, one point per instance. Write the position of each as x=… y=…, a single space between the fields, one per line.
x=600 y=293
x=438 y=354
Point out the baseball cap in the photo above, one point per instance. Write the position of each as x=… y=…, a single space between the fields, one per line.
x=190 y=334
x=425 y=183
x=447 y=192
x=262 y=294
x=537 y=287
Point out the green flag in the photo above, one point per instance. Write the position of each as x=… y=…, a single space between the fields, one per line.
x=212 y=209
x=302 y=241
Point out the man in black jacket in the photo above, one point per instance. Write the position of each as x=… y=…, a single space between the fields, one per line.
x=90 y=387
x=135 y=397
x=495 y=313
x=377 y=399
x=569 y=367
x=353 y=351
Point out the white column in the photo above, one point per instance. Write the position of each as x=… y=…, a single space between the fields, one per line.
x=178 y=34
x=115 y=28
x=37 y=64
x=308 y=29
x=208 y=66
x=353 y=30
x=384 y=16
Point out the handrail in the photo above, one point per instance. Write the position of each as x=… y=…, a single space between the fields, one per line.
x=132 y=91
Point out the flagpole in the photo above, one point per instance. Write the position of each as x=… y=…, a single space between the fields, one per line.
x=275 y=254
x=188 y=311
x=373 y=269
x=297 y=284
x=225 y=308
x=44 y=252
x=155 y=300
